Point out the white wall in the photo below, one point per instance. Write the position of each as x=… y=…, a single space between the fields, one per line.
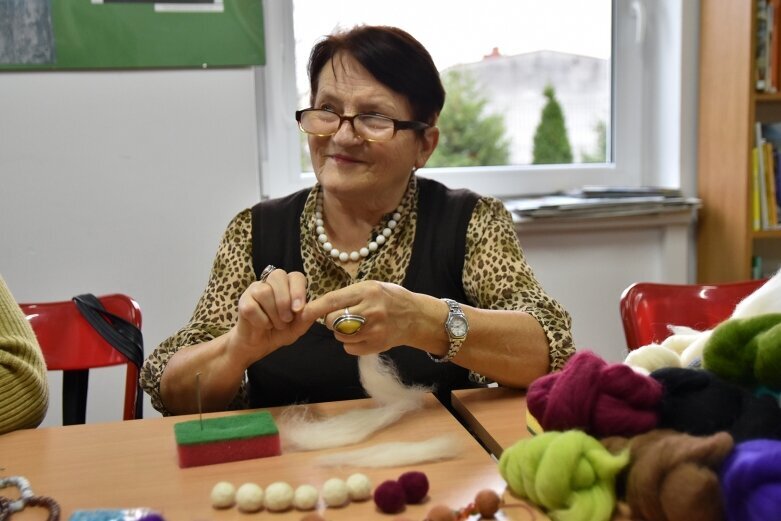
x=586 y=267
x=122 y=182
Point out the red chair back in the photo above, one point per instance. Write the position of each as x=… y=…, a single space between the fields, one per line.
x=70 y=343
x=647 y=308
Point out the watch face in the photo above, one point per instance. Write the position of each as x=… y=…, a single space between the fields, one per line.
x=458 y=326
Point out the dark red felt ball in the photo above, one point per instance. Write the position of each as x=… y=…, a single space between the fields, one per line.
x=415 y=486
x=389 y=497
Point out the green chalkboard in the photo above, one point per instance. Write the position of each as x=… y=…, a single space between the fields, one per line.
x=86 y=35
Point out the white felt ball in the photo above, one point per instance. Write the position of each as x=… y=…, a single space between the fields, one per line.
x=359 y=487
x=278 y=497
x=335 y=492
x=305 y=497
x=249 y=497
x=223 y=495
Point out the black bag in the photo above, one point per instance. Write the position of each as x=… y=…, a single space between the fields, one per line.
x=120 y=334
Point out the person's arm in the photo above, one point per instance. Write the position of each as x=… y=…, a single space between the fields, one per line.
x=269 y=317
x=506 y=346
x=237 y=321
x=24 y=392
x=532 y=335
x=168 y=374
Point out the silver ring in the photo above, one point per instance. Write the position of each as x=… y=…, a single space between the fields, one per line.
x=266 y=272
x=349 y=324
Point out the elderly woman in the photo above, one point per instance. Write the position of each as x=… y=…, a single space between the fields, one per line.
x=372 y=259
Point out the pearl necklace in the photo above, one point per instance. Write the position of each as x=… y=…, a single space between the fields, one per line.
x=364 y=252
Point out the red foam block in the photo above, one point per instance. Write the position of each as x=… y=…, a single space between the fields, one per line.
x=229 y=438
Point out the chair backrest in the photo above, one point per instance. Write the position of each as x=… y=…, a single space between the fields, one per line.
x=647 y=308
x=70 y=344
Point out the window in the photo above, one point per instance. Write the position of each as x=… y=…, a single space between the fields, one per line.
x=582 y=56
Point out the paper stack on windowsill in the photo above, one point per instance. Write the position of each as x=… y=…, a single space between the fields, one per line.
x=599 y=202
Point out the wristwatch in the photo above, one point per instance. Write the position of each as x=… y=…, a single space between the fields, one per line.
x=456 y=327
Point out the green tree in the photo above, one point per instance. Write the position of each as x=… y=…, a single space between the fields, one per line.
x=599 y=153
x=551 y=145
x=468 y=136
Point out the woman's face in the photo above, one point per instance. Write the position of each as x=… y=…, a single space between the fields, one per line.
x=347 y=165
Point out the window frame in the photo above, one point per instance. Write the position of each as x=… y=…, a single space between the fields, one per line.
x=278 y=150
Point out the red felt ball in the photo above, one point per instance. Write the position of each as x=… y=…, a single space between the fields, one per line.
x=487 y=503
x=441 y=513
x=415 y=486
x=389 y=497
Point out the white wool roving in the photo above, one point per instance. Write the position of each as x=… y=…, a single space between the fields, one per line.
x=380 y=380
x=652 y=357
x=395 y=454
x=300 y=431
x=766 y=299
x=694 y=351
x=681 y=338
x=690 y=343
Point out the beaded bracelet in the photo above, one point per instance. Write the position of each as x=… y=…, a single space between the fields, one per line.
x=25 y=492
x=26 y=498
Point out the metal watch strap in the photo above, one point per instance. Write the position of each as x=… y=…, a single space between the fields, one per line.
x=454 y=311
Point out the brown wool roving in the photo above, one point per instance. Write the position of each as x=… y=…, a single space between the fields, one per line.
x=673 y=476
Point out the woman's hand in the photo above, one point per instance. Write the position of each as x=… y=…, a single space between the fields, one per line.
x=270 y=316
x=394 y=315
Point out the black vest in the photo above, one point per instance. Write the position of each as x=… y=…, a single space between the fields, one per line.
x=316 y=368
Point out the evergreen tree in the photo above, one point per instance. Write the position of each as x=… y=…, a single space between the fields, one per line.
x=599 y=154
x=467 y=136
x=551 y=145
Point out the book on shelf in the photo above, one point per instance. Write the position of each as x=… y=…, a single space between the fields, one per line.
x=768 y=35
x=771 y=132
x=761 y=56
x=774 y=24
x=756 y=267
x=770 y=185
x=766 y=173
x=756 y=219
x=764 y=221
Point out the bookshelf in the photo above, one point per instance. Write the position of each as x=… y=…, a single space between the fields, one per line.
x=729 y=107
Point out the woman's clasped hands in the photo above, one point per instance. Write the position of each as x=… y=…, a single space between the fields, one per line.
x=367 y=317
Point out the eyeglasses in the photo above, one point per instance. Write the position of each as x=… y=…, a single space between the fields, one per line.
x=371 y=127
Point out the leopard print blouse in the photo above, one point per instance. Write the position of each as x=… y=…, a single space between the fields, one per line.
x=495 y=276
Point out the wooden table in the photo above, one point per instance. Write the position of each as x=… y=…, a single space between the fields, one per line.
x=496 y=415
x=133 y=464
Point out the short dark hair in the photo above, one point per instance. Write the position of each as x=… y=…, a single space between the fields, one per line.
x=393 y=57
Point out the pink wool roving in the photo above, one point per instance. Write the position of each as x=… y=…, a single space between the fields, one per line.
x=599 y=398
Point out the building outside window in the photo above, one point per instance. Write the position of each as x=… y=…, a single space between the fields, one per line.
x=549 y=91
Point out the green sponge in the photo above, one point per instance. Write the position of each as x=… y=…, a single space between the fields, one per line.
x=228 y=438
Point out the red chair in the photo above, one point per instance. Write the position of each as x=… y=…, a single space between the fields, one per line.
x=71 y=344
x=647 y=308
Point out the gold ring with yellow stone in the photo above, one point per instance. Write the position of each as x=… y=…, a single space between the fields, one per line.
x=349 y=324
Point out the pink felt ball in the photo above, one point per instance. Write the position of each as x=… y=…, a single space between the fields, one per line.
x=389 y=497
x=415 y=486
